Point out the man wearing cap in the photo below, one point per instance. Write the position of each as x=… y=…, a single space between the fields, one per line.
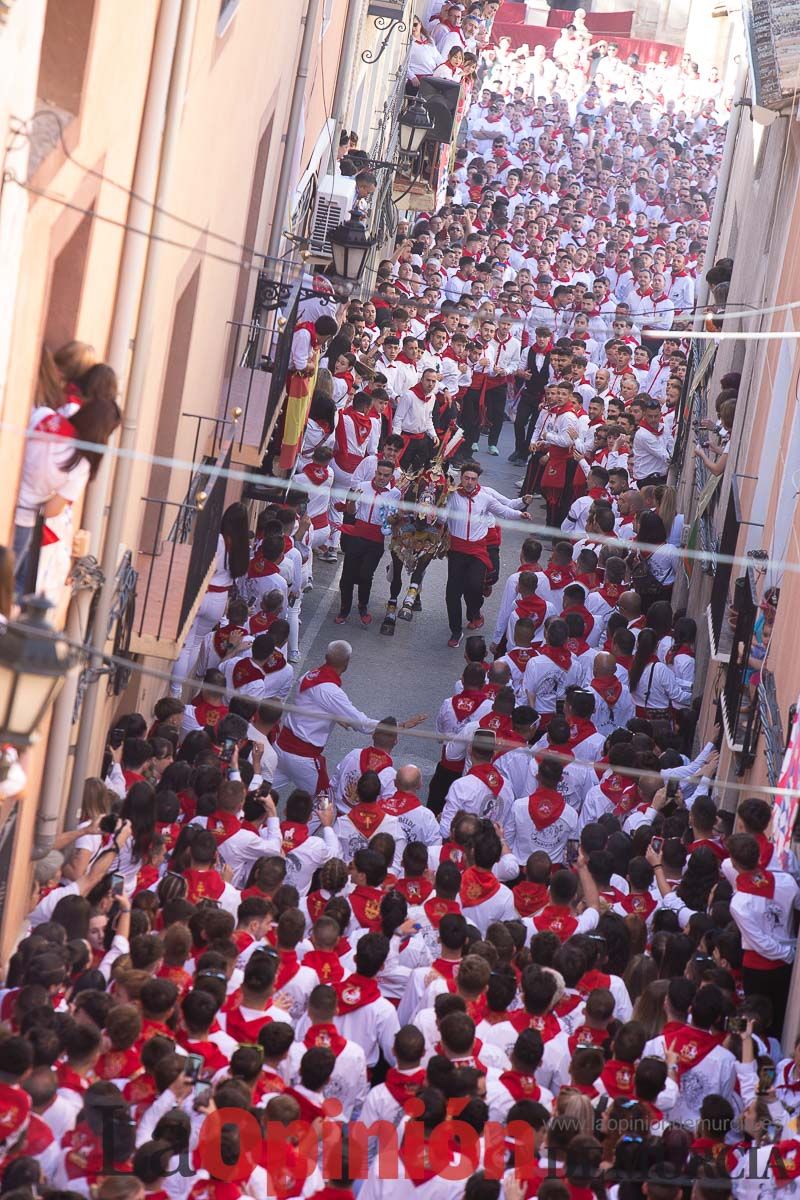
x=652 y=447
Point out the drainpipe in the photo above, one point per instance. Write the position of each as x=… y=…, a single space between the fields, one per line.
x=293 y=130
x=723 y=181
x=120 y=500
x=344 y=78
x=85 y=574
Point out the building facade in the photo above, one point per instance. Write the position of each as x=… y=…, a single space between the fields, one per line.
x=172 y=118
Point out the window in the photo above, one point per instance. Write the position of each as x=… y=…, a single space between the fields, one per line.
x=62 y=72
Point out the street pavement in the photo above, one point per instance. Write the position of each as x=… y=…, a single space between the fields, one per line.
x=414 y=671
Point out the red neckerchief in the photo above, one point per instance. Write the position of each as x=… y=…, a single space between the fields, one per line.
x=588 y=619
x=691 y=1046
x=203 y=885
x=213 y=1058
x=584 y=1035
x=324 y=674
x=608 y=687
x=611 y=592
x=477 y=886
x=529 y=898
x=206 y=713
x=316 y=472
x=366 y=818
x=117 y=1064
x=756 y=883
x=415 y=890
x=580 y=728
x=70 y=1079
x=293 y=834
x=446 y=967
x=221 y=637
x=326 y=963
x=399 y=803
x=466 y=1060
x=546 y=1024
x=243 y=1029
x=402 y=1085
x=630 y=799
x=465 y=703
x=452 y=852
x=558 y=919
x=287 y=969
x=325 y=1035
x=366 y=905
x=521 y=656
x=362 y=424
x=617 y=1078
x=437 y=907
x=223 y=825
x=638 y=904
x=521 y=1086
x=489 y=776
x=356 y=992
x=373 y=759
x=559 y=655
x=260 y=567
x=545 y=806
x=531 y=607
x=673 y=653
x=246 y=671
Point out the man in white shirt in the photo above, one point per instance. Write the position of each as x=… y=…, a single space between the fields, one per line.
x=652 y=448
x=413 y=421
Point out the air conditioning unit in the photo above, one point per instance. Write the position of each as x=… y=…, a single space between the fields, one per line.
x=335 y=197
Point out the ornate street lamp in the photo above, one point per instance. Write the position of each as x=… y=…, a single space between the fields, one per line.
x=350 y=247
x=33 y=665
x=413 y=126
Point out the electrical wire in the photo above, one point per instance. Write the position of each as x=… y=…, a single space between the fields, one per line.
x=298 y=484
x=422 y=735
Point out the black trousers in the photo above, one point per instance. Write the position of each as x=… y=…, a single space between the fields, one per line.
x=524 y=421
x=470 y=419
x=533 y=474
x=494 y=557
x=417 y=454
x=417 y=575
x=652 y=481
x=439 y=787
x=496 y=412
x=466 y=576
x=775 y=986
x=361 y=558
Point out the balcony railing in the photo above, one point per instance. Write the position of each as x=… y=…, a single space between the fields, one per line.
x=177 y=561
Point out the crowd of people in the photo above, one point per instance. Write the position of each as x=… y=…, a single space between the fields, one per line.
x=561 y=933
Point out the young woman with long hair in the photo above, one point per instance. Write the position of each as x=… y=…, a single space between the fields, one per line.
x=97 y=802
x=232 y=561
x=653 y=685
x=55 y=473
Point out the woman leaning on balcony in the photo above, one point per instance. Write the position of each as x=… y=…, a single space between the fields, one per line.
x=55 y=470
